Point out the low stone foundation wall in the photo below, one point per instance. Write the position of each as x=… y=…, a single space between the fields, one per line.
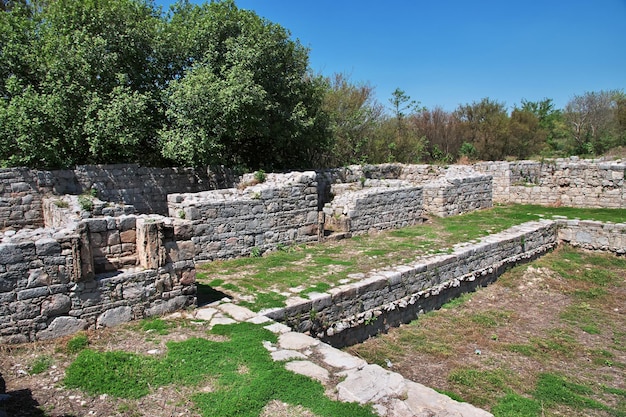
x=458 y=192
x=592 y=235
x=569 y=182
x=374 y=208
x=231 y=223
x=349 y=313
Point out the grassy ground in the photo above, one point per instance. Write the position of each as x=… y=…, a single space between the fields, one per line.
x=262 y=282
x=547 y=339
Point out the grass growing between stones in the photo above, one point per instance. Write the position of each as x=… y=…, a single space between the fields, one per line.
x=299 y=270
x=547 y=339
x=241 y=375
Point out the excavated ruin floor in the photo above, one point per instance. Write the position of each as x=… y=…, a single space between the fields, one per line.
x=346 y=377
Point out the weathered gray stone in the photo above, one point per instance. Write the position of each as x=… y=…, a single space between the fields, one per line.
x=56 y=305
x=115 y=316
x=370 y=384
x=47 y=247
x=62 y=326
x=296 y=341
x=309 y=369
x=10 y=254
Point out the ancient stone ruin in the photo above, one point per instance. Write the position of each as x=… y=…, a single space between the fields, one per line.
x=101 y=245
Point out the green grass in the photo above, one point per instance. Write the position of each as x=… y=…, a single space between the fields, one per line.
x=41 y=364
x=77 y=343
x=330 y=263
x=245 y=375
x=155 y=325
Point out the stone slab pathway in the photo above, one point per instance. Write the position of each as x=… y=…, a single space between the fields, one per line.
x=346 y=378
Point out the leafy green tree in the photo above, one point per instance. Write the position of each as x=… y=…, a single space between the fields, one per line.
x=397 y=140
x=552 y=123
x=105 y=81
x=485 y=125
x=526 y=136
x=82 y=92
x=354 y=115
x=246 y=96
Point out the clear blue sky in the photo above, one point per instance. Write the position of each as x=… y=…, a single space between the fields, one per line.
x=451 y=52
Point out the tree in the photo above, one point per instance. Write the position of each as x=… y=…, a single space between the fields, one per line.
x=485 y=125
x=106 y=81
x=354 y=115
x=526 y=136
x=551 y=122
x=245 y=96
x=397 y=141
x=593 y=119
x=440 y=128
x=82 y=90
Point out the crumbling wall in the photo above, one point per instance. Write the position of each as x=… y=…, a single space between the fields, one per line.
x=594 y=235
x=20 y=199
x=237 y=222
x=145 y=188
x=381 y=299
x=569 y=182
x=458 y=192
x=378 y=205
x=51 y=285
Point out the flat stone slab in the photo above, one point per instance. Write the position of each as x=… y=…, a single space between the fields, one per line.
x=370 y=384
x=237 y=312
x=278 y=328
x=205 y=313
x=296 y=341
x=259 y=320
x=309 y=369
x=339 y=359
x=287 y=355
x=421 y=399
x=219 y=319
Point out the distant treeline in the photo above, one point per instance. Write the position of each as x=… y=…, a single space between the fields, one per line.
x=108 y=81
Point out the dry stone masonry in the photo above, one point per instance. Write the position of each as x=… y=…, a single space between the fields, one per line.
x=235 y=222
x=569 y=182
x=104 y=272
x=70 y=262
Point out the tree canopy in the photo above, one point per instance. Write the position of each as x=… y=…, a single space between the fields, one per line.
x=109 y=81
x=118 y=81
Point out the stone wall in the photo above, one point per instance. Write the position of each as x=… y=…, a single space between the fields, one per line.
x=374 y=207
x=20 y=199
x=568 y=182
x=22 y=189
x=51 y=285
x=458 y=192
x=237 y=222
x=592 y=235
x=346 y=312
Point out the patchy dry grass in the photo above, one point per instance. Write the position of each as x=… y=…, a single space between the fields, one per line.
x=547 y=339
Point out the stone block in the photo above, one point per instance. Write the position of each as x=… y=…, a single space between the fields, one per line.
x=47 y=247
x=128 y=236
x=56 y=305
x=10 y=254
x=62 y=326
x=114 y=317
